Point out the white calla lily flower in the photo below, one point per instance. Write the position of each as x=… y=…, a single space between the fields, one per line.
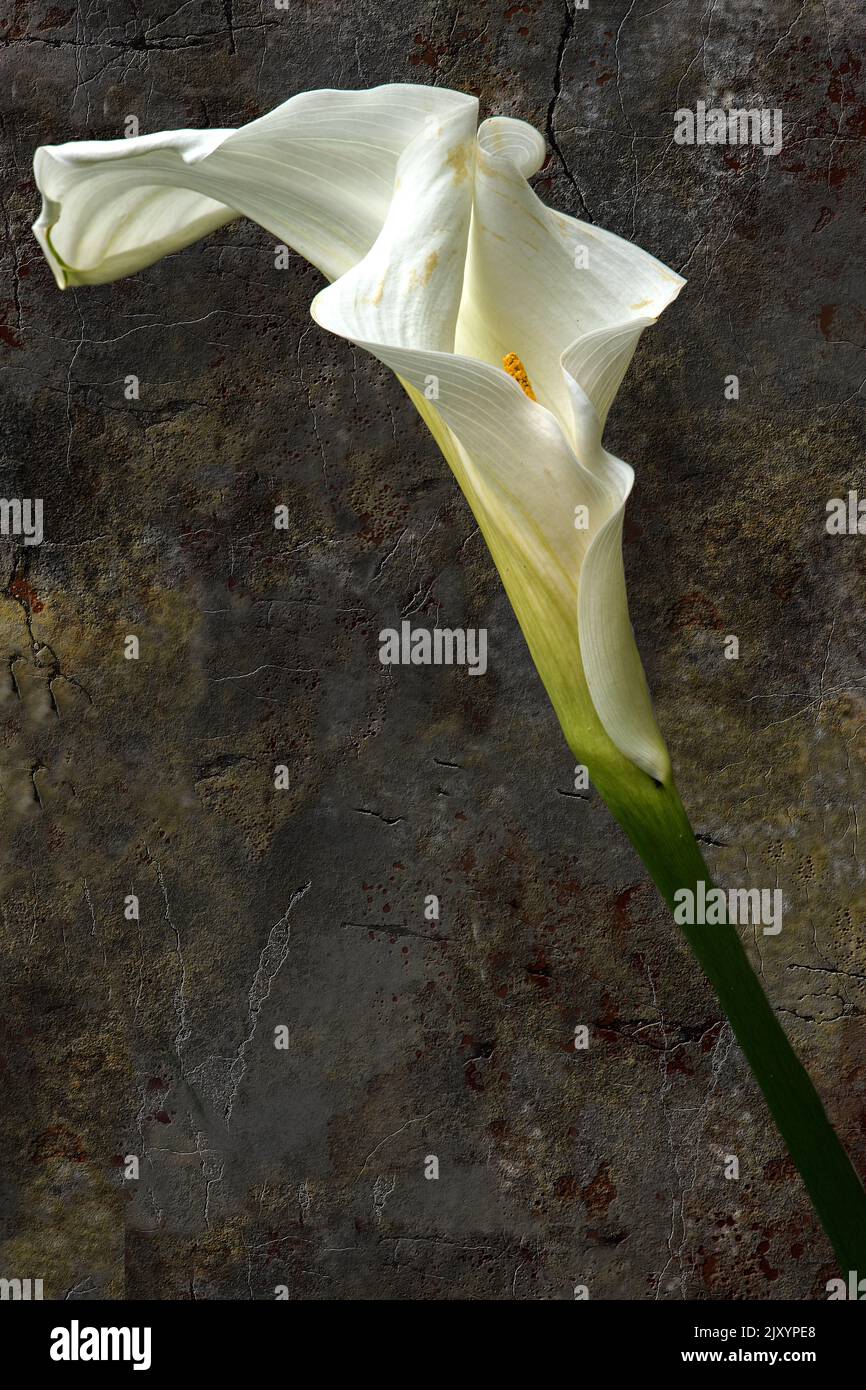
x=510 y=325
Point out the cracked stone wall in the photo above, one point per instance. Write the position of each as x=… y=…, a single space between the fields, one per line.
x=303 y=1167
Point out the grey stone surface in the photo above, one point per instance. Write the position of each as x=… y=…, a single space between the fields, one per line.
x=304 y=1167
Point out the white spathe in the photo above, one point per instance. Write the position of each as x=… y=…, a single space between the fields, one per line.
x=442 y=261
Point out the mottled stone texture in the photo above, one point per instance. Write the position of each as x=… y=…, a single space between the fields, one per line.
x=304 y=1167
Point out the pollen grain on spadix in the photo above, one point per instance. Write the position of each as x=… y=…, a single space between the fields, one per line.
x=516 y=369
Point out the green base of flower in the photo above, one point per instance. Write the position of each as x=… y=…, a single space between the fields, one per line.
x=654 y=819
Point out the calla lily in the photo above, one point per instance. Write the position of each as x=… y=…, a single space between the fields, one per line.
x=511 y=326
x=446 y=266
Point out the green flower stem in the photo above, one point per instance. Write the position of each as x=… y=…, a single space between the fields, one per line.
x=656 y=822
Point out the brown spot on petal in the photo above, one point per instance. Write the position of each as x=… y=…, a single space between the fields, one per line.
x=458 y=161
